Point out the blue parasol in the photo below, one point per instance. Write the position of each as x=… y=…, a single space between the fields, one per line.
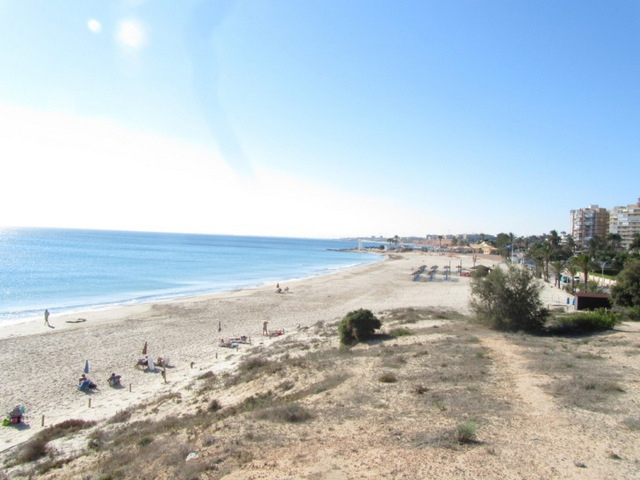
x=86 y=366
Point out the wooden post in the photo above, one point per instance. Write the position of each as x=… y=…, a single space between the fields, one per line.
x=89 y=402
x=129 y=387
x=42 y=421
x=216 y=355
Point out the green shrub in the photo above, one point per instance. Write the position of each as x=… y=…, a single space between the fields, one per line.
x=466 y=432
x=357 y=325
x=630 y=313
x=626 y=291
x=585 y=322
x=289 y=413
x=508 y=300
x=400 y=332
x=387 y=378
x=214 y=405
x=480 y=271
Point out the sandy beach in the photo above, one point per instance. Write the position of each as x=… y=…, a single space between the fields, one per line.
x=41 y=365
x=548 y=407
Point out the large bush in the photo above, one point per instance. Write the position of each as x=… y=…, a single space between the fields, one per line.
x=357 y=325
x=626 y=291
x=508 y=300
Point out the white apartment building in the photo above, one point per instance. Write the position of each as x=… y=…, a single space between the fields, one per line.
x=625 y=221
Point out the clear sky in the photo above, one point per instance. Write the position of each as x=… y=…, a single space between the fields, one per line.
x=317 y=118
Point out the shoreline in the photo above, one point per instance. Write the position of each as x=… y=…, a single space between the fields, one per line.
x=84 y=312
x=445 y=371
x=42 y=365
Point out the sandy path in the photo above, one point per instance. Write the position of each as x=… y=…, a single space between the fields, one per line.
x=542 y=436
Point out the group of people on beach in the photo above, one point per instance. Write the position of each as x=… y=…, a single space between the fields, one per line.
x=270 y=333
x=86 y=384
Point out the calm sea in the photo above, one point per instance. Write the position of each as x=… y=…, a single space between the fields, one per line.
x=72 y=270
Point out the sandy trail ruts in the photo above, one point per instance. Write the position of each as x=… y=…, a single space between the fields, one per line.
x=541 y=435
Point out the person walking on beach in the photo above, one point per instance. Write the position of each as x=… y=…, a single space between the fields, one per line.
x=265 y=330
x=46 y=318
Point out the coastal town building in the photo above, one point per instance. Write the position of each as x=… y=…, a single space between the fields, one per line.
x=590 y=222
x=484 y=248
x=625 y=221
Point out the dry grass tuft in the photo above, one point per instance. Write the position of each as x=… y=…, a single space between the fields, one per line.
x=290 y=413
x=387 y=378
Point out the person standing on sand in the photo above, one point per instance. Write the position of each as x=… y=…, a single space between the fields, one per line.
x=265 y=330
x=46 y=318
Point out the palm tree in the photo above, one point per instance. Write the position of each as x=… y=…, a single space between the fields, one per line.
x=594 y=246
x=536 y=255
x=571 y=244
x=583 y=262
x=395 y=240
x=541 y=254
x=558 y=267
x=614 y=242
x=512 y=238
x=572 y=269
x=547 y=252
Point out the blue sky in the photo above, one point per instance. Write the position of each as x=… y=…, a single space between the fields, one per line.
x=317 y=118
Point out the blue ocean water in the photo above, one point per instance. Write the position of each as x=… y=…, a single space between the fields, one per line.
x=69 y=270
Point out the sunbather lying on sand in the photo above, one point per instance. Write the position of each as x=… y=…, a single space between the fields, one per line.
x=241 y=339
x=227 y=343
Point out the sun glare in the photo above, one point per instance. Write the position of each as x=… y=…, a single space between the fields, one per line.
x=94 y=25
x=131 y=34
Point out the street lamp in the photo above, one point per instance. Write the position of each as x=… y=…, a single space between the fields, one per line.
x=602 y=265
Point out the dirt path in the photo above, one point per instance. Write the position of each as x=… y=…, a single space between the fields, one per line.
x=542 y=438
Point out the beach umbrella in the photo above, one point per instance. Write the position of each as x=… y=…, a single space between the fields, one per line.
x=86 y=366
x=144 y=349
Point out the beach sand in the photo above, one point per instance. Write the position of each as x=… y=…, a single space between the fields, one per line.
x=374 y=431
x=41 y=365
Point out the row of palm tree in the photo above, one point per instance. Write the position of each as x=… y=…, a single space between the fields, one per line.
x=598 y=253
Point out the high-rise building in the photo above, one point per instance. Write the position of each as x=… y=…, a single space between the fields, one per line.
x=587 y=223
x=625 y=221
